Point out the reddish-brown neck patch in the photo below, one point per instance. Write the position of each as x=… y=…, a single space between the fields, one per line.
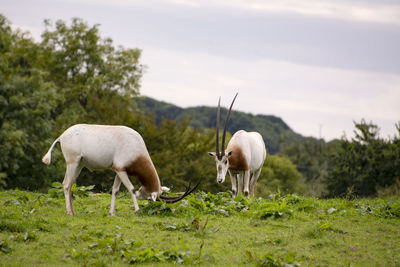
x=144 y=170
x=237 y=161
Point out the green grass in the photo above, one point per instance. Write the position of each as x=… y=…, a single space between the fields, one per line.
x=203 y=229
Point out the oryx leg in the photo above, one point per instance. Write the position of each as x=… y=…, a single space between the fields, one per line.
x=234 y=183
x=115 y=189
x=123 y=176
x=239 y=178
x=246 y=183
x=253 y=181
x=72 y=172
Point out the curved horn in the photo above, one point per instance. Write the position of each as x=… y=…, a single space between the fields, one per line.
x=217 y=127
x=188 y=191
x=226 y=124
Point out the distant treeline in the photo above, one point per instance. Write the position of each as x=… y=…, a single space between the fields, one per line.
x=275 y=131
x=73 y=75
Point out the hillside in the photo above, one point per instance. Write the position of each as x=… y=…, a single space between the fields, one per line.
x=274 y=130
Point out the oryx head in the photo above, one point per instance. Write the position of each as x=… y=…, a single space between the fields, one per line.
x=141 y=193
x=221 y=158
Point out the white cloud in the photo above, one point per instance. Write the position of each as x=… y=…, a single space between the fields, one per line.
x=368 y=11
x=304 y=96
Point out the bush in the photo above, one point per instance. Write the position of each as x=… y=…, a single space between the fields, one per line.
x=364 y=164
x=279 y=174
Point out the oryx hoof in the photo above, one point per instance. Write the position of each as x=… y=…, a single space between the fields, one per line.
x=233 y=193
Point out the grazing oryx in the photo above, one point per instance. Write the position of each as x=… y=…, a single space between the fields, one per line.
x=117 y=147
x=244 y=158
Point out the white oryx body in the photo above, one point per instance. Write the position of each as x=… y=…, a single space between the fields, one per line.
x=98 y=147
x=244 y=158
x=247 y=155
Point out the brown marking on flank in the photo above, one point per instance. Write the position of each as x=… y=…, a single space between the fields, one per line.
x=237 y=161
x=142 y=168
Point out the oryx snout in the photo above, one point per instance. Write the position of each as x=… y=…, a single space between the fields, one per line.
x=222 y=168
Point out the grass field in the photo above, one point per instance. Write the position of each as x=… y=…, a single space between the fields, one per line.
x=203 y=229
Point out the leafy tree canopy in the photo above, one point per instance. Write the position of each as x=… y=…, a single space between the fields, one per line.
x=365 y=163
x=71 y=76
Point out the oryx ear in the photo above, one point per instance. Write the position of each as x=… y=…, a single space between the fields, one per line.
x=229 y=154
x=212 y=154
x=164 y=188
x=154 y=196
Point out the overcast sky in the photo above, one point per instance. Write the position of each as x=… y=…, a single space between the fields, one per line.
x=317 y=64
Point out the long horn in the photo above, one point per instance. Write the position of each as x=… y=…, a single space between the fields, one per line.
x=217 y=127
x=226 y=124
x=178 y=198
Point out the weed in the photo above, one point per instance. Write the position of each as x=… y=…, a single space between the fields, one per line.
x=129 y=251
x=57 y=190
x=274 y=210
x=390 y=209
x=153 y=255
x=5 y=247
x=26 y=237
x=192 y=225
x=12 y=226
x=380 y=208
x=268 y=241
x=157 y=208
x=321 y=228
x=269 y=260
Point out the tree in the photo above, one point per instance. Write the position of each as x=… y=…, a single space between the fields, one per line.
x=364 y=163
x=89 y=72
x=71 y=76
x=311 y=159
x=279 y=174
x=26 y=107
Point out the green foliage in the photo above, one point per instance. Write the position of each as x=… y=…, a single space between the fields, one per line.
x=96 y=79
x=274 y=210
x=274 y=131
x=57 y=190
x=310 y=157
x=5 y=247
x=191 y=225
x=318 y=230
x=364 y=164
x=72 y=76
x=391 y=190
x=381 y=208
x=279 y=174
x=27 y=101
x=269 y=260
x=127 y=250
x=179 y=152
